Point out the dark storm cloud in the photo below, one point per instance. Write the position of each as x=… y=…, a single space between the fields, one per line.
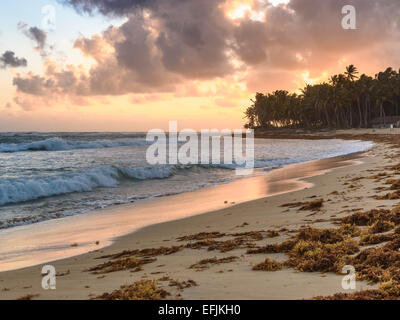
x=8 y=58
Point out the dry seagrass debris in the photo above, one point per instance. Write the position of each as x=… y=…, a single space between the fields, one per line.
x=268 y=265
x=371 y=239
x=150 y=252
x=202 y=236
x=139 y=290
x=274 y=248
x=120 y=264
x=182 y=284
x=314 y=205
x=28 y=296
x=206 y=263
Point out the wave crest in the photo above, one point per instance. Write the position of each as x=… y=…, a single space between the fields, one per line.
x=20 y=190
x=58 y=144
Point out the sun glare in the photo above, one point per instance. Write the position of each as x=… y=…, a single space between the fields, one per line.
x=278 y=2
x=240 y=11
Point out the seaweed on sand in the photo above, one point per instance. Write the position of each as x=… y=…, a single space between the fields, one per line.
x=28 y=296
x=395 y=183
x=359 y=295
x=240 y=240
x=182 y=284
x=310 y=256
x=149 y=252
x=202 y=236
x=370 y=239
x=368 y=218
x=206 y=263
x=120 y=264
x=381 y=226
x=283 y=247
x=389 y=196
x=314 y=205
x=316 y=249
x=268 y=265
x=377 y=264
x=139 y=290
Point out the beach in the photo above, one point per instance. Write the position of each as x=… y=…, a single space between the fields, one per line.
x=174 y=267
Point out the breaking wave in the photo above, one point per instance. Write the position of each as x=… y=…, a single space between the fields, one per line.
x=58 y=144
x=25 y=189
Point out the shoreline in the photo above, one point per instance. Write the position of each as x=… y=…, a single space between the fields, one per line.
x=159 y=235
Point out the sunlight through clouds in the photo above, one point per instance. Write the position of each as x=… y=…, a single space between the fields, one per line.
x=278 y=2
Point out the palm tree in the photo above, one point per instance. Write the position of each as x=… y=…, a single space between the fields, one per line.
x=351 y=72
x=345 y=101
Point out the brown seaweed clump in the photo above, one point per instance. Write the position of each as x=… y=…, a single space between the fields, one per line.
x=314 y=205
x=139 y=290
x=149 y=252
x=368 y=218
x=182 y=284
x=283 y=247
x=314 y=249
x=359 y=295
x=389 y=196
x=381 y=226
x=206 y=263
x=268 y=265
x=377 y=264
x=272 y=234
x=371 y=239
x=202 y=236
x=327 y=236
x=311 y=256
x=29 y=296
x=241 y=240
x=395 y=184
x=120 y=264
x=389 y=290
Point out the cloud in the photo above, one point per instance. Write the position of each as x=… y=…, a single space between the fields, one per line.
x=8 y=58
x=37 y=35
x=107 y=7
x=164 y=45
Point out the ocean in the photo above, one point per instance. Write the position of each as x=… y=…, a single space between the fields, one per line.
x=52 y=175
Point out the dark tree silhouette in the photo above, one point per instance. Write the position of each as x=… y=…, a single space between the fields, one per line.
x=345 y=101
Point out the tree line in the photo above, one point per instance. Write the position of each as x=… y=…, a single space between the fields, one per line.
x=345 y=101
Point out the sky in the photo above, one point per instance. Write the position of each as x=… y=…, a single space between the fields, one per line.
x=133 y=65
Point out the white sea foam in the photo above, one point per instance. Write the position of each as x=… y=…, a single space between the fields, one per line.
x=19 y=190
x=58 y=144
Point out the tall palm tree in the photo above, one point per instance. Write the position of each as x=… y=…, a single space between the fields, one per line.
x=351 y=72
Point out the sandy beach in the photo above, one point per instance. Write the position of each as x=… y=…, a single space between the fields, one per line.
x=174 y=266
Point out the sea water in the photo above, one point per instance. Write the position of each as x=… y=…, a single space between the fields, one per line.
x=52 y=175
